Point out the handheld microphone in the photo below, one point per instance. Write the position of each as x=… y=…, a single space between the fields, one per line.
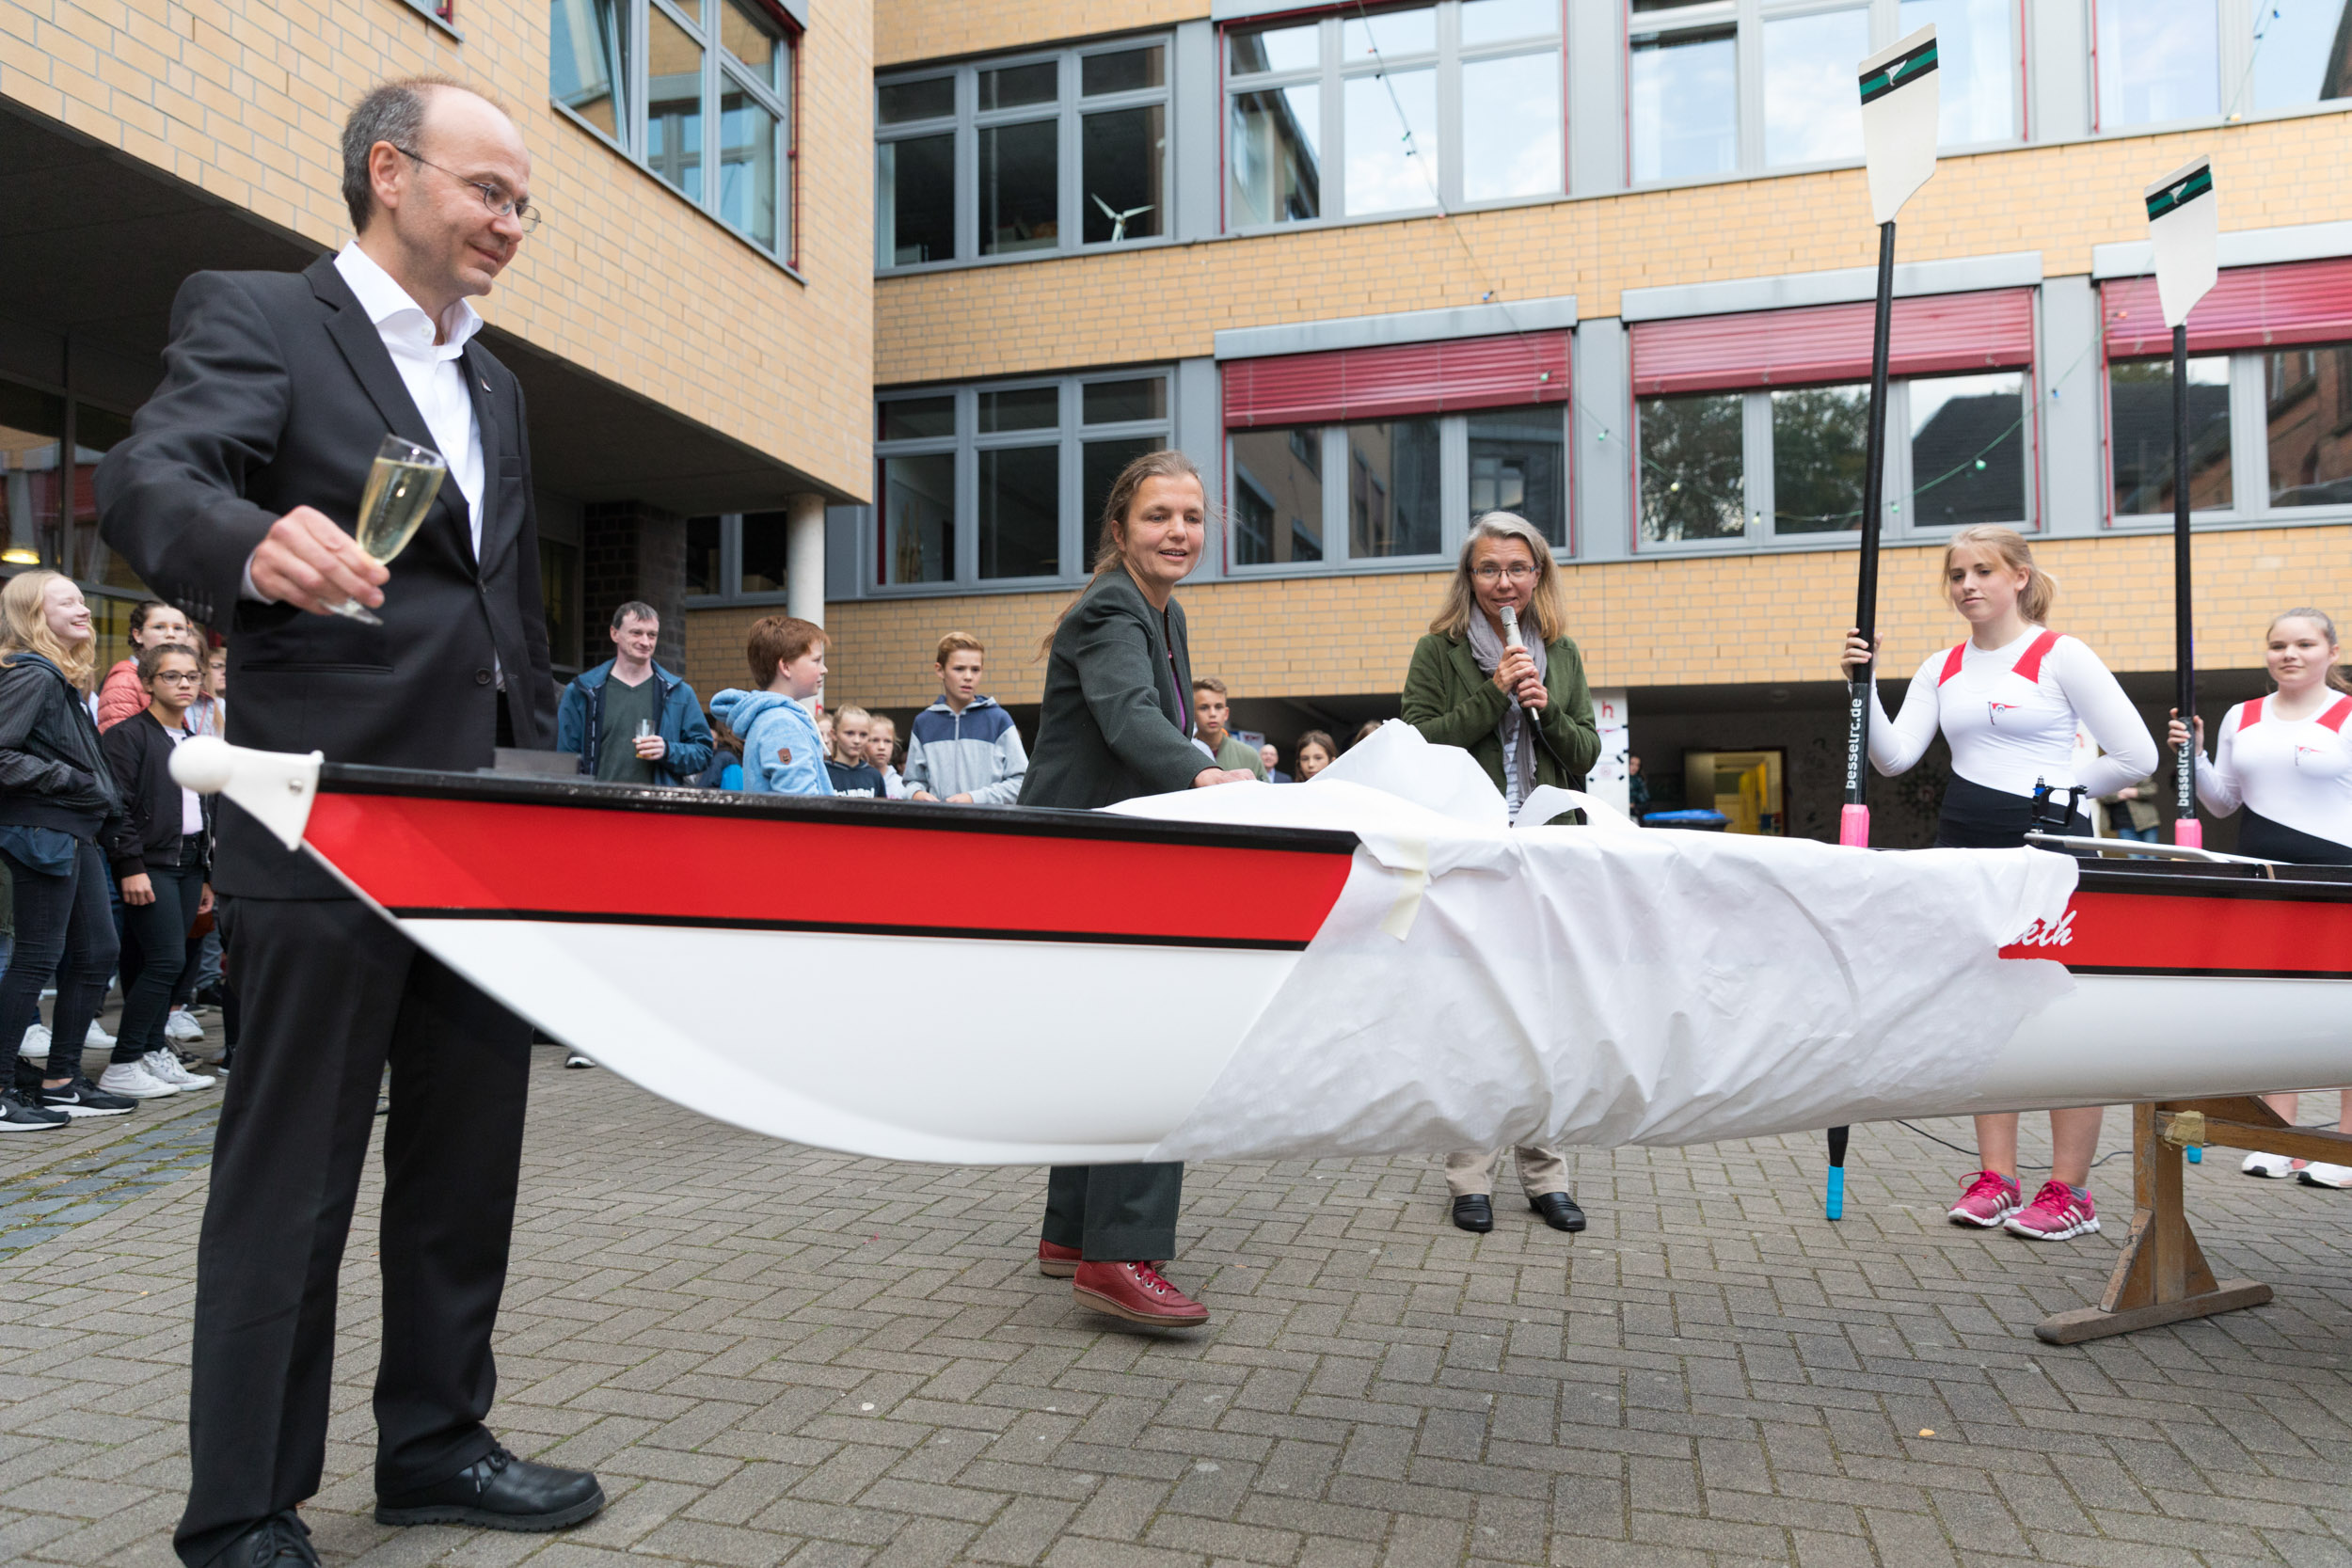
x=1511 y=637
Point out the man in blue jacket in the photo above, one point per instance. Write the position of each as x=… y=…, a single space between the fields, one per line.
x=630 y=720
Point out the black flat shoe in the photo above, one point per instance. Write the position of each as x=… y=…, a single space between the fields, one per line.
x=281 y=1541
x=1559 y=1210
x=499 y=1491
x=1473 y=1212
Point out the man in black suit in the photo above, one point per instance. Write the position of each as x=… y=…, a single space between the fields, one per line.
x=234 y=497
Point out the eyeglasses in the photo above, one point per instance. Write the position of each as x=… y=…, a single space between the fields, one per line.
x=1495 y=574
x=494 y=197
x=179 y=677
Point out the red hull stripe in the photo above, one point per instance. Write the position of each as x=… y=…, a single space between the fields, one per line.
x=2139 y=933
x=477 y=860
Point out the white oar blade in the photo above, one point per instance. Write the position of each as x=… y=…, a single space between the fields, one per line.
x=2184 y=227
x=1899 y=105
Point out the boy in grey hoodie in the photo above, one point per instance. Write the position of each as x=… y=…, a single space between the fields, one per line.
x=963 y=748
x=782 y=751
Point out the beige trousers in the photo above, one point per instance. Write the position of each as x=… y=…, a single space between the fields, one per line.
x=1541 y=1171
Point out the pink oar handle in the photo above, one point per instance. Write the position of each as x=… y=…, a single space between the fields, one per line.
x=2189 y=834
x=1853 y=826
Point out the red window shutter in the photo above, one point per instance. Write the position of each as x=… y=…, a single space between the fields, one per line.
x=1931 y=334
x=1504 y=372
x=2297 y=302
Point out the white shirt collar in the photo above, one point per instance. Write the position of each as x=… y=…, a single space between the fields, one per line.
x=385 y=302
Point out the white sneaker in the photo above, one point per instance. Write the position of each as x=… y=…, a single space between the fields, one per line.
x=2275 y=1165
x=97 y=1039
x=2320 y=1174
x=133 y=1080
x=36 y=1044
x=164 y=1067
x=182 y=1027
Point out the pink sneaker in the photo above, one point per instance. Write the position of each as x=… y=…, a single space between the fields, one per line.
x=2055 y=1215
x=1990 y=1198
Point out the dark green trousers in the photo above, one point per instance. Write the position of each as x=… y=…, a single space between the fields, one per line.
x=1115 y=1213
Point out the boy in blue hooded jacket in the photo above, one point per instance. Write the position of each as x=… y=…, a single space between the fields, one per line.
x=782 y=751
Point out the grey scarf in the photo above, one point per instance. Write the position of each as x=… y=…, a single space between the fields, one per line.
x=1516 y=728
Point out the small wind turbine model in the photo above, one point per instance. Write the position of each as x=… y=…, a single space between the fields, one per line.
x=1119 y=220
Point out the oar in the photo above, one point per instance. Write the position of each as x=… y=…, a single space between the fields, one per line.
x=2183 y=229
x=1900 y=105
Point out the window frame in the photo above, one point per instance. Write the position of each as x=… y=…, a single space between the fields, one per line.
x=2233 y=60
x=1330 y=76
x=1069 y=434
x=1748 y=19
x=1757 y=481
x=1453 y=481
x=1069 y=110
x=731 y=569
x=719 y=74
x=2250 y=451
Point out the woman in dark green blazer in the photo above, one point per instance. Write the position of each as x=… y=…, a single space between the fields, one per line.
x=1115 y=724
x=1526 y=715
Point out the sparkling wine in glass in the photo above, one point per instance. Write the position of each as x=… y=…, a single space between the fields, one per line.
x=402 y=484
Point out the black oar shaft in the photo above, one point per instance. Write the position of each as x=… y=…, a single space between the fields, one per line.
x=1873 y=507
x=2184 y=630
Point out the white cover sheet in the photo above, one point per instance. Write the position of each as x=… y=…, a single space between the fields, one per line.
x=1479 y=984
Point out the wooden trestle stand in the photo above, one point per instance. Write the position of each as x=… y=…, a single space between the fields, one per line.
x=2162 y=1277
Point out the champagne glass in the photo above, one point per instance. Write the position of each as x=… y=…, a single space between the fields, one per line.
x=402 y=484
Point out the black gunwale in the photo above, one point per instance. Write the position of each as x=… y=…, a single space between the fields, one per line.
x=342 y=778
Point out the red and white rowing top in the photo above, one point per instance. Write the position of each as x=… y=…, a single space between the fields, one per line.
x=2295 y=771
x=2010 y=716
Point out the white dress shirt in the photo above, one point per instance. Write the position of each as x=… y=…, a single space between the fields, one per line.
x=435 y=378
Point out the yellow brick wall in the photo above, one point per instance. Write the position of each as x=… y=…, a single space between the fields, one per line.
x=246 y=99
x=2060 y=201
x=1718 y=620
x=940 y=30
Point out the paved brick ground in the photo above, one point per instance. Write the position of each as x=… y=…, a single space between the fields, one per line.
x=776 y=1355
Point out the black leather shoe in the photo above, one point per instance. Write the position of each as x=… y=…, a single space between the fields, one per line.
x=499 y=1491
x=281 y=1541
x=1472 y=1211
x=1559 y=1210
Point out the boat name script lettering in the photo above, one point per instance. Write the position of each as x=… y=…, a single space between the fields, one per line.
x=2043 y=934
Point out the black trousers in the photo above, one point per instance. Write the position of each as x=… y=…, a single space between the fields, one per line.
x=333 y=992
x=1115 y=1213
x=157 y=954
x=63 y=928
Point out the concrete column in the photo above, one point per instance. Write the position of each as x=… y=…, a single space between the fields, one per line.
x=805 y=557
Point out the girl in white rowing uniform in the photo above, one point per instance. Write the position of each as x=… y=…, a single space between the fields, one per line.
x=2007 y=701
x=2285 y=761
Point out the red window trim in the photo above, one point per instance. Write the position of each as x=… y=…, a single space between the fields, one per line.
x=1507 y=371
x=1931 y=335
x=2287 y=302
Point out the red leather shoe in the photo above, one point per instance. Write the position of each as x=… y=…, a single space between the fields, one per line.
x=1058 y=1262
x=1137 y=1292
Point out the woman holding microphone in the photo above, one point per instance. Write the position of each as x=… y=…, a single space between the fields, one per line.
x=2008 y=701
x=2285 y=761
x=1114 y=725
x=1497 y=676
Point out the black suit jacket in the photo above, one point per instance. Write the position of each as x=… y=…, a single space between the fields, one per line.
x=1118 y=692
x=276 y=392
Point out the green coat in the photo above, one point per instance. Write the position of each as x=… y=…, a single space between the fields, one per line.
x=1112 y=726
x=1453 y=702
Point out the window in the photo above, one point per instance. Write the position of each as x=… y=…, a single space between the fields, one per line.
x=1005 y=482
x=2141 y=434
x=1754 y=426
x=1725 y=86
x=688 y=88
x=736 y=558
x=1067 y=150
x=559 y=601
x=2157 y=62
x=1518 y=463
x=2307 y=425
x=1278 y=496
x=2302 y=52
x=1417 y=108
